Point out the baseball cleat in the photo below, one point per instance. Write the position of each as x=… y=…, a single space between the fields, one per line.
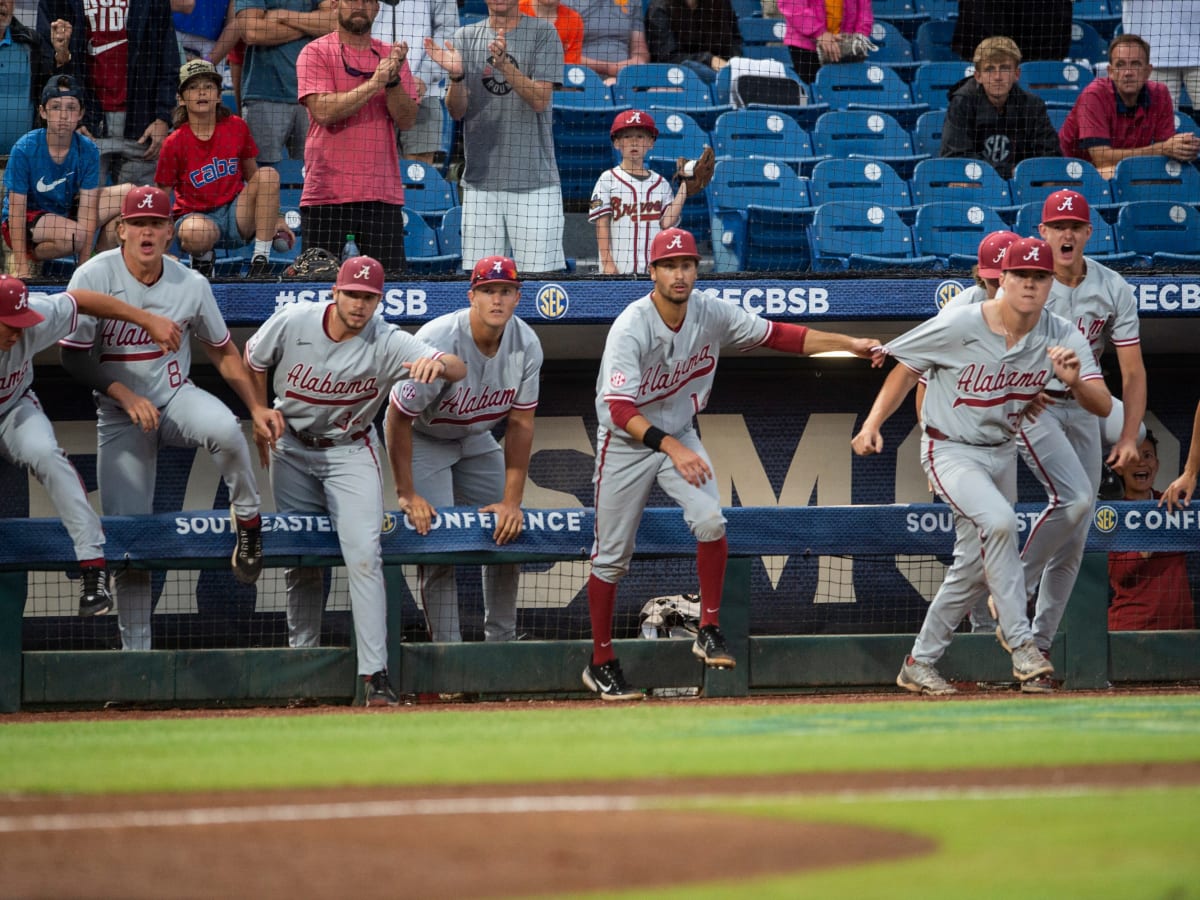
x=710 y=647
x=247 y=550
x=608 y=681
x=377 y=690
x=94 y=596
x=1029 y=662
x=1041 y=684
x=922 y=678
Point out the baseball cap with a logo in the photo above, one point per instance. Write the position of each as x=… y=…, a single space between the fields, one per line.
x=671 y=243
x=1066 y=206
x=1028 y=253
x=14 y=304
x=146 y=202
x=991 y=252
x=498 y=269
x=198 y=68
x=633 y=118
x=360 y=273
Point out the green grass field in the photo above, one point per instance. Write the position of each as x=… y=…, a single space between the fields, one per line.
x=1074 y=842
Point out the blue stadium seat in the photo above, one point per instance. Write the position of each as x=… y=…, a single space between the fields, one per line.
x=781 y=197
x=1103 y=15
x=745 y=9
x=805 y=112
x=1184 y=122
x=968 y=180
x=932 y=43
x=582 y=115
x=768 y=51
x=765 y=133
x=421 y=248
x=668 y=88
x=859 y=179
x=1166 y=234
x=901 y=13
x=1057 y=83
x=952 y=231
x=938 y=9
x=426 y=191
x=1101 y=246
x=679 y=135
x=875 y=135
x=1037 y=178
x=757 y=30
x=933 y=81
x=1057 y=115
x=449 y=233
x=927 y=136
x=894 y=50
x=1155 y=178
x=856 y=235
x=1087 y=44
x=291 y=173
x=868 y=86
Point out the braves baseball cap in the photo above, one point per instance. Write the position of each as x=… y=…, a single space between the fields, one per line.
x=1028 y=253
x=198 y=68
x=633 y=118
x=991 y=252
x=671 y=243
x=61 y=86
x=1066 y=206
x=14 y=304
x=498 y=269
x=146 y=202
x=360 y=273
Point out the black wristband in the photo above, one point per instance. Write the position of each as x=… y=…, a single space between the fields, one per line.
x=457 y=80
x=395 y=82
x=653 y=438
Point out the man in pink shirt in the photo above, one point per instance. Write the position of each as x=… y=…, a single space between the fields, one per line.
x=1125 y=114
x=358 y=91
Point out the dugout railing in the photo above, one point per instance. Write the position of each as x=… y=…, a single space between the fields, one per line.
x=1085 y=654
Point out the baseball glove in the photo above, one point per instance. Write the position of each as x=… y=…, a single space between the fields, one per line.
x=675 y=616
x=696 y=173
x=314 y=264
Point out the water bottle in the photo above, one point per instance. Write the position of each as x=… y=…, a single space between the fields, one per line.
x=350 y=248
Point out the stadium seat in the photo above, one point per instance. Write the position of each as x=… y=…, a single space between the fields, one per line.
x=805 y=112
x=932 y=43
x=582 y=115
x=1165 y=234
x=1184 y=122
x=781 y=199
x=967 y=180
x=666 y=88
x=1086 y=44
x=745 y=9
x=894 y=50
x=856 y=235
x=679 y=135
x=1101 y=246
x=933 y=80
x=938 y=9
x=859 y=179
x=868 y=86
x=449 y=233
x=764 y=133
x=1037 y=178
x=421 y=247
x=1057 y=115
x=1057 y=83
x=952 y=230
x=1155 y=178
x=901 y=13
x=927 y=136
x=291 y=173
x=758 y=31
x=1103 y=15
x=426 y=191
x=768 y=51
x=858 y=133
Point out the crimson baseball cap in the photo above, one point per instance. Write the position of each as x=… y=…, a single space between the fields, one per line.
x=991 y=252
x=14 y=304
x=360 y=273
x=61 y=86
x=1028 y=253
x=1066 y=206
x=497 y=269
x=633 y=118
x=671 y=243
x=146 y=202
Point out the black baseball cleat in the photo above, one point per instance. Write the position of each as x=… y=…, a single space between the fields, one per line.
x=377 y=690
x=203 y=263
x=260 y=267
x=608 y=681
x=710 y=647
x=247 y=551
x=94 y=596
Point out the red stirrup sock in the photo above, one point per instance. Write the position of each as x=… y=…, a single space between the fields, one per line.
x=710 y=564
x=602 y=600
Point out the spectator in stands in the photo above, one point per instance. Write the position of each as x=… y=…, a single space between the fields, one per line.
x=54 y=205
x=631 y=203
x=1125 y=114
x=1172 y=29
x=502 y=73
x=222 y=197
x=614 y=36
x=813 y=24
x=700 y=34
x=358 y=90
x=991 y=117
x=411 y=22
x=27 y=59
x=1041 y=28
x=275 y=31
x=567 y=22
x=1179 y=492
x=1150 y=590
x=232 y=47
x=200 y=29
x=132 y=59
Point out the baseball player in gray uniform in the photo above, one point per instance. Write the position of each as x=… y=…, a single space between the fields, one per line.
x=333 y=363
x=440 y=437
x=1063 y=446
x=28 y=325
x=984 y=364
x=656 y=375
x=145 y=400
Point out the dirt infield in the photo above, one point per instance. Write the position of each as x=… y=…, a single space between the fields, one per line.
x=478 y=841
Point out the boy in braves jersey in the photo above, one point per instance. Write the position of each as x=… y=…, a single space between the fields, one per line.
x=1062 y=447
x=144 y=397
x=656 y=375
x=29 y=325
x=210 y=161
x=440 y=437
x=985 y=365
x=631 y=203
x=333 y=363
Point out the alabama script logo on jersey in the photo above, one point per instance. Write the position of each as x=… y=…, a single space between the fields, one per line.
x=659 y=380
x=982 y=387
x=325 y=390
x=125 y=342
x=464 y=406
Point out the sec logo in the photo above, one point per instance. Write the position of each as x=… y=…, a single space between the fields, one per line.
x=552 y=301
x=946 y=291
x=1106 y=519
x=408 y=390
x=617 y=379
x=389 y=524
